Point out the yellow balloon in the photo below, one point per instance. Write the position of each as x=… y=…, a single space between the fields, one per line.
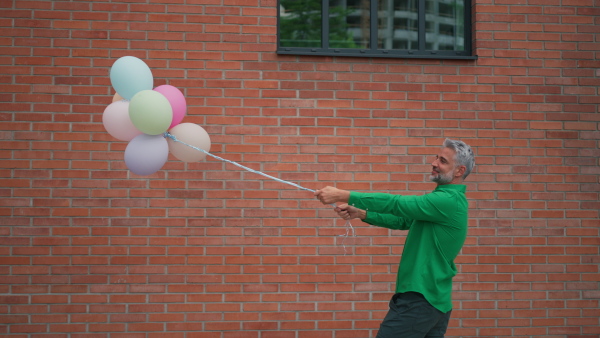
x=117 y=97
x=191 y=134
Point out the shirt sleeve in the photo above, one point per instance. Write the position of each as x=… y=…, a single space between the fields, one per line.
x=437 y=206
x=387 y=221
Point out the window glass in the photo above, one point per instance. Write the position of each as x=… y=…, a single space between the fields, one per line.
x=398 y=24
x=349 y=23
x=434 y=29
x=300 y=23
x=445 y=25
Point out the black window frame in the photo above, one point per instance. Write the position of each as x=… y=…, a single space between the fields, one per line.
x=420 y=53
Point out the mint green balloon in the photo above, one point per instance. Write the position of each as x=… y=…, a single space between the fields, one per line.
x=150 y=112
x=130 y=75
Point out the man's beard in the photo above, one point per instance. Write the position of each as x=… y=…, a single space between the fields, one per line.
x=441 y=178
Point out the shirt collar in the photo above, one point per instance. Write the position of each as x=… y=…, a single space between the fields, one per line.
x=457 y=187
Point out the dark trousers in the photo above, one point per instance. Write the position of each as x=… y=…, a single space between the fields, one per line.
x=411 y=316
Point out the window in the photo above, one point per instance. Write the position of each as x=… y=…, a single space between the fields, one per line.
x=439 y=29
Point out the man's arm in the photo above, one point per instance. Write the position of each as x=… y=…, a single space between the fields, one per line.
x=348 y=212
x=387 y=221
x=432 y=207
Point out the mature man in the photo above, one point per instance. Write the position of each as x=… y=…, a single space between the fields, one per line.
x=437 y=224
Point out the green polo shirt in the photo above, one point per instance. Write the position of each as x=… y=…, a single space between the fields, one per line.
x=437 y=224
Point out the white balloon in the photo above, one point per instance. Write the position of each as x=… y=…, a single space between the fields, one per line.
x=117 y=123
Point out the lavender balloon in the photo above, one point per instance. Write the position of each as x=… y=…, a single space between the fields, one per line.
x=146 y=154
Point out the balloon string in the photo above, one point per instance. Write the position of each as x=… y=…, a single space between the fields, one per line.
x=348 y=225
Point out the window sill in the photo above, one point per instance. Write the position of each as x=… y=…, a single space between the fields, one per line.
x=365 y=53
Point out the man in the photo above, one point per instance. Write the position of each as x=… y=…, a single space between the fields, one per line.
x=437 y=224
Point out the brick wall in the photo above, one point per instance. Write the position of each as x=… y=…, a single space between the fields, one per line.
x=206 y=250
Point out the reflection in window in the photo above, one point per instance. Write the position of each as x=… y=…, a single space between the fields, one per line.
x=398 y=24
x=300 y=23
x=445 y=25
x=384 y=28
x=349 y=22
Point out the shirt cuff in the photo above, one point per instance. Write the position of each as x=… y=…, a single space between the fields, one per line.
x=354 y=200
x=369 y=217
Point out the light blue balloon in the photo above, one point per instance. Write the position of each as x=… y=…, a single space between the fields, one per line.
x=146 y=154
x=130 y=75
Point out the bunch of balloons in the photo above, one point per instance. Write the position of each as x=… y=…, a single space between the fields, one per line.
x=143 y=115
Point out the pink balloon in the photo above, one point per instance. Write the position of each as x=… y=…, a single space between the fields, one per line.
x=117 y=122
x=177 y=101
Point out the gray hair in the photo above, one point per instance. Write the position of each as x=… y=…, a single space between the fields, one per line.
x=464 y=154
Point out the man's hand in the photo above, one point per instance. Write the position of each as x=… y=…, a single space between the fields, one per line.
x=349 y=212
x=331 y=195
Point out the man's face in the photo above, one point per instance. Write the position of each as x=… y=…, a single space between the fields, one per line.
x=443 y=167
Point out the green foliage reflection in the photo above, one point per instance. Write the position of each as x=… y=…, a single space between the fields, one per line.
x=300 y=25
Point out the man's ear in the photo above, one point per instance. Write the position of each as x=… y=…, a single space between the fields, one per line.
x=460 y=171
